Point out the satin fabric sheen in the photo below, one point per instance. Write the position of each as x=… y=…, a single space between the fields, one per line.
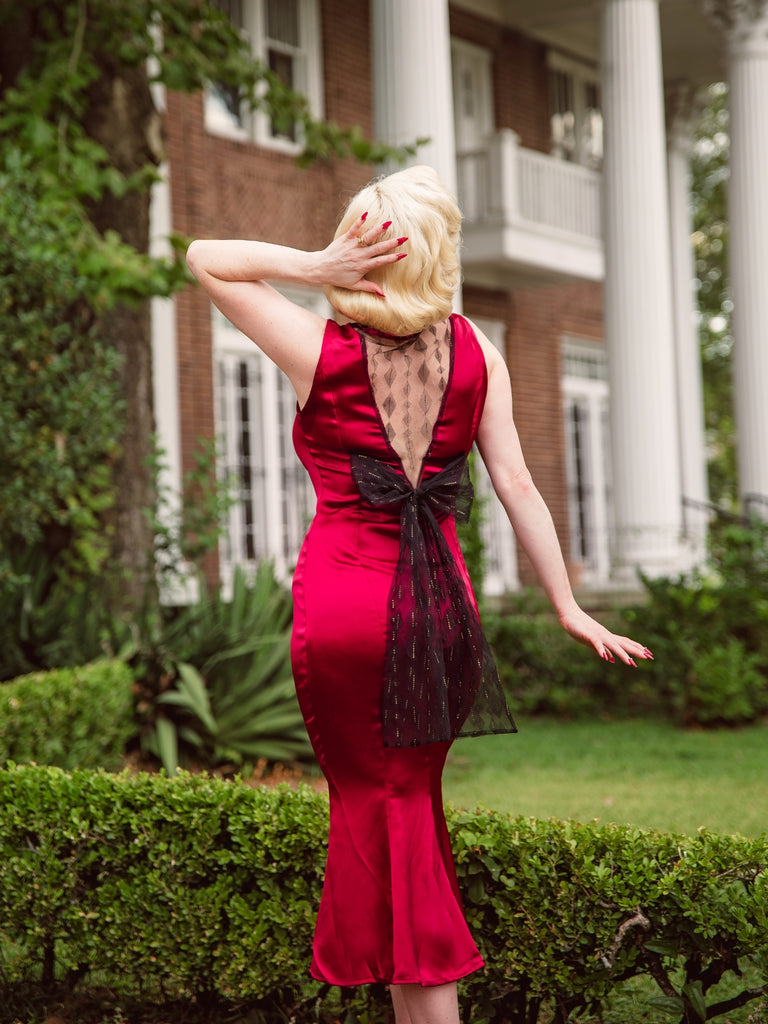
x=390 y=909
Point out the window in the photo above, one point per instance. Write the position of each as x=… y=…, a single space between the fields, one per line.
x=255 y=409
x=576 y=122
x=285 y=36
x=473 y=120
x=587 y=451
x=283 y=53
x=222 y=102
x=472 y=94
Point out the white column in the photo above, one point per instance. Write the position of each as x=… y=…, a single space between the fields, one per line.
x=682 y=105
x=412 y=90
x=746 y=27
x=638 y=297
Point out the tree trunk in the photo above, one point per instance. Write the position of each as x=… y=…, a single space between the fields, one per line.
x=122 y=117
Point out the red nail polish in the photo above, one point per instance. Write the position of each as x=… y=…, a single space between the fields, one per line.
x=364 y=215
x=633 y=663
x=403 y=239
x=385 y=225
x=401 y=256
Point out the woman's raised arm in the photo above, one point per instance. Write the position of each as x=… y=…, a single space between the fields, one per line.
x=235 y=274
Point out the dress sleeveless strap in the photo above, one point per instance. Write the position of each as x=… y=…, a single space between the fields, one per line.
x=440 y=678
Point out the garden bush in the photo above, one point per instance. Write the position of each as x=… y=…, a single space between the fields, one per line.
x=60 y=408
x=545 y=672
x=709 y=632
x=198 y=888
x=52 y=620
x=70 y=717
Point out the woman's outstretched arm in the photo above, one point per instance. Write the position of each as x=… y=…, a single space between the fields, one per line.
x=500 y=449
x=235 y=274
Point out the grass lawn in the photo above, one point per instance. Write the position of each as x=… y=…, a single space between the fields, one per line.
x=638 y=772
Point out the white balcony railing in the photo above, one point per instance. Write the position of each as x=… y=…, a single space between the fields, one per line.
x=507 y=185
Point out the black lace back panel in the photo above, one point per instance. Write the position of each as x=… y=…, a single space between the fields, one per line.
x=440 y=679
x=409 y=380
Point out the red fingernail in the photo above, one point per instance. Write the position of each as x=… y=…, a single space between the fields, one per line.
x=403 y=239
x=385 y=225
x=401 y=256
x=632 y=663
x=364 y=215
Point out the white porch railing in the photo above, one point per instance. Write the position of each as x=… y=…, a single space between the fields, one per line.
x=509 y=185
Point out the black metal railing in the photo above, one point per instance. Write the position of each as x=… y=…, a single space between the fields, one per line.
x=753 y=505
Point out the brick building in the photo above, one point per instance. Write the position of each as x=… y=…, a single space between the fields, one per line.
x=548 y=120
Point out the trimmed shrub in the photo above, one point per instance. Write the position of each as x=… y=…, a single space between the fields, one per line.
x=199 y=888
x=187 y=885
x=564 y=911
x=69 y=717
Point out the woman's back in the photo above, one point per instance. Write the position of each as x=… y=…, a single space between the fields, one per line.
x=413 y=403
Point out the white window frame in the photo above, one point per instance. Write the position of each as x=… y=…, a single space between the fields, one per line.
x=585 y=388
x=283 y=501
x=499 y=542
x=255 y=126
x=582 y=77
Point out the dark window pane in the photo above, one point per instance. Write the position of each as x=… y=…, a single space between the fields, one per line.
x=282 y=65
x=283 y=21
x=233 y=10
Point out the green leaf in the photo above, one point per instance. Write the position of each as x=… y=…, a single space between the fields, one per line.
x=167 y=745
x=694 y=992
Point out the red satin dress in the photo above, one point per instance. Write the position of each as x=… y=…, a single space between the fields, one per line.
x=390 y=909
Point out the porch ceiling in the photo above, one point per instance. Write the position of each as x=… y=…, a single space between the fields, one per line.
x=692 y=48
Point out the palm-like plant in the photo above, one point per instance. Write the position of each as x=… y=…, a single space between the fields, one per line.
x=232 y=699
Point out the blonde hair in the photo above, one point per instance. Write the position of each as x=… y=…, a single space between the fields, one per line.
x=419 y=290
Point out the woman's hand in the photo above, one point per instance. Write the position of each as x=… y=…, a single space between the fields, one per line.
x=347 y=260
x=609 y=646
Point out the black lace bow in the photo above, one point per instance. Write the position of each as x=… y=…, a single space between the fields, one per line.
x=440 y=680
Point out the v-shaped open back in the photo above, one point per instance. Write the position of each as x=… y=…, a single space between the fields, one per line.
x=409 y=382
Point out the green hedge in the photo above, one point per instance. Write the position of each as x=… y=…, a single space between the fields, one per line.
x=198 y=888
x=70 y=717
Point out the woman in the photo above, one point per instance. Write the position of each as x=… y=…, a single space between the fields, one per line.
x=389 y=659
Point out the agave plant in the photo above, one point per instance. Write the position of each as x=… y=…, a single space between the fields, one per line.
x=232 y=699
